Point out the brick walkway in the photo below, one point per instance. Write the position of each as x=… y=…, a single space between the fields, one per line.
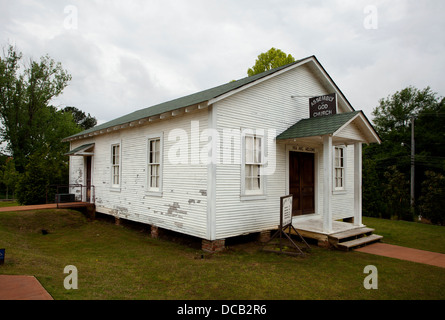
x=403 y=253
x=22 y=288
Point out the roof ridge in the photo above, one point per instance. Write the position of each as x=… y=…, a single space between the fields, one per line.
x=184 y=101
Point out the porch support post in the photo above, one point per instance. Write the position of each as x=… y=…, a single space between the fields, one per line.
x=358 y=184
x=327 y=183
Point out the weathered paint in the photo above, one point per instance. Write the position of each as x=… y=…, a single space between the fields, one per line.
x=131 y=200
x=204 y=199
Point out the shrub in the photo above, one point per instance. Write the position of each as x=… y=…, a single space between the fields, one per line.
x=432 y=199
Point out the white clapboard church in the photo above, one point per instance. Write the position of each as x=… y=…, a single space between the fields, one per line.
x=214 y=164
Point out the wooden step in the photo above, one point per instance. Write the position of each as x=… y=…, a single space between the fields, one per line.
x=350 y=233
x=358 y=242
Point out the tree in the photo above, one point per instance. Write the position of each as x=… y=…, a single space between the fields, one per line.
x=9 y=177
x=373 y=203
x=25 y=93
x=392 y=116
x=432 y=200
x=84 y=121
x=271 y=59
x=389 y=164
x=32 y=128
x=396 y=195
x=34 y=182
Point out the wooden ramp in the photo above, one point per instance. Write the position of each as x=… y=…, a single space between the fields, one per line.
x=353 y=238
x=67 y=205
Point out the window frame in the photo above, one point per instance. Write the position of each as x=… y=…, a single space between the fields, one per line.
x=260 y=193
x=339 y=166
x=154 y=190
x=118 y=165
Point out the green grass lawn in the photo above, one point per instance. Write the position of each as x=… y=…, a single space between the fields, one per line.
x=410 y=234
x=123 y=262
x=8 y=204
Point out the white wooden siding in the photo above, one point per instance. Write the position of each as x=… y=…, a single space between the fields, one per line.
x=351 y=132
x=343 y=201
x=183 y=204
x=205 y=200
x=268 y=105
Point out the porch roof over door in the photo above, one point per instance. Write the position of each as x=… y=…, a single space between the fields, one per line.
x=335 y=125
x=83 y=150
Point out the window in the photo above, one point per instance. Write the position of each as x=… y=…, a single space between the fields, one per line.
x=339 y=168
x=115 y=165
x=154 y=164
x=253 y=163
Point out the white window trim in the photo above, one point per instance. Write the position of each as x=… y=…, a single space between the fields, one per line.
x=339 y=190
x=251 y=194
x=157 y=192
x=115 y=187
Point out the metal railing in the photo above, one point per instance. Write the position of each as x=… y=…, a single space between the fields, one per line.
x=70 y=193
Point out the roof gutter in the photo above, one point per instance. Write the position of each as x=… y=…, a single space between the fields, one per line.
x=139 y=122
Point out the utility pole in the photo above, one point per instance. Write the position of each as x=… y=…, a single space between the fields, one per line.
x=412 y=164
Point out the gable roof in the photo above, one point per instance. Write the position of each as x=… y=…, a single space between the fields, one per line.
x=333 y=124
x=185 y=101
x=318 y=126
x=212 y=94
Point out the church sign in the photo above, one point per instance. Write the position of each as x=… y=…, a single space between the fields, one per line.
x=323 y=105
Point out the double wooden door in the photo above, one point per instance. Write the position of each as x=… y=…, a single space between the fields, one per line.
x=302 y=182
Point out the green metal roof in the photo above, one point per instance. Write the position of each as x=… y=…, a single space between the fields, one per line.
x=317 y=126
x=79 y=149
x=185 y=101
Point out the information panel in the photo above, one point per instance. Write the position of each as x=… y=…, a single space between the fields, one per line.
x=286 y=210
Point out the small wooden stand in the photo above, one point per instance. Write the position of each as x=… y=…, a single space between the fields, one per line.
x=286 y=224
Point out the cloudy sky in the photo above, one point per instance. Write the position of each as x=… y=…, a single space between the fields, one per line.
x=128 y=55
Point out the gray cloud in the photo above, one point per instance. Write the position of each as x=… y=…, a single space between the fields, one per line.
x=126 y=55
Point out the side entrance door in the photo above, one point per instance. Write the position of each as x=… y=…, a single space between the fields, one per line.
x=88 y=178
x=302 y=182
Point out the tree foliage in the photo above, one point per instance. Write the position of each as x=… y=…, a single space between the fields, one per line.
x=387 y=166
x=81 y=118
x=33 y=183
x=432 y=199
x=9 y=176
x=28 y=122
x=271 y=59
x=31 y=127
